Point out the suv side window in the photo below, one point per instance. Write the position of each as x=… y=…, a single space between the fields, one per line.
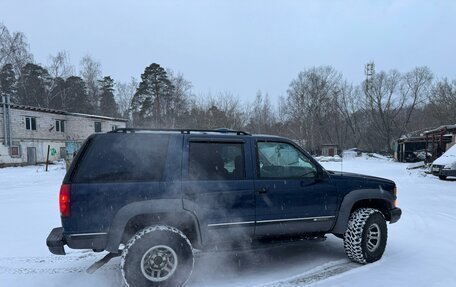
x=120 y=158
x=216 y=161
x=282 y=160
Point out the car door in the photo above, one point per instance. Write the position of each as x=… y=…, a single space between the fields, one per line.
x=218 y=186
x=293 y=193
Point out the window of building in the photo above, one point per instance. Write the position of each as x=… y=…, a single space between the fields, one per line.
x=114 y=127
x=59 y=126
x=98 y=127
x=63 y=152
x=15 y=151
x=30 y=123
x=216 y=161
x=282 y=160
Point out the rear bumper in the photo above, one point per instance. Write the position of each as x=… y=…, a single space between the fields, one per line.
x=57 y=240
x=395 y=214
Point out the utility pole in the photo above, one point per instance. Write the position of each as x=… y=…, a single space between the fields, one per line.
x=5 y=126
x=10 y=131
x=6 y=102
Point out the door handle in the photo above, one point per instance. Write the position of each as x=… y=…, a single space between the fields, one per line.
x=262 y=190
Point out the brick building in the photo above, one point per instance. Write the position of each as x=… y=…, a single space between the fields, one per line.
x=26 y=132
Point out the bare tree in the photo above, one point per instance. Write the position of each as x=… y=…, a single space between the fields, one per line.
x=178 y=105
x=309 y=104
x=262 y=116
x=384 y=103
x=124 y=93
x=59 y=69
x=416 y=88
x=59 y=66
x=14 y=49
x=348 y=102
x=443 y=102
x=90 y=71
x=233 y=113
x=222 y=111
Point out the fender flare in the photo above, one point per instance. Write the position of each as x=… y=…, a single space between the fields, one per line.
x=352 y=198
x=131 y=210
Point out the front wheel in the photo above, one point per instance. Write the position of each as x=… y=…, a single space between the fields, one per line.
x=157 y=256
x=366 y=235
x=442 y=177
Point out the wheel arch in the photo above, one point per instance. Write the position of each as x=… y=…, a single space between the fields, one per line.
x=138 y=215
x=380 y=204
x=372 y=198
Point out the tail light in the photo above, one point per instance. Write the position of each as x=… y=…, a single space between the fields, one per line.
x=395 y=196
x=64 y=200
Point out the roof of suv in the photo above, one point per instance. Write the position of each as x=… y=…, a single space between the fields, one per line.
x=182 y=131
x=219 y=132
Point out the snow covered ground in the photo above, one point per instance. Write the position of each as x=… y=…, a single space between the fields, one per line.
x=420 y=252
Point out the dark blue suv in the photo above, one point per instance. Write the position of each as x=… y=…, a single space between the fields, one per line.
x=154 y=196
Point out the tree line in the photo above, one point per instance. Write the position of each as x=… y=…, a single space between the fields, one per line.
x=320 y=106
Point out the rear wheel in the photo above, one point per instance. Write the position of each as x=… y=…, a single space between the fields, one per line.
x=157 y=256
x=366 y=235
x=442 y=177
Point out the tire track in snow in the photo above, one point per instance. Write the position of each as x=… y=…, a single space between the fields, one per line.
x=47 y=264
x=316 y=274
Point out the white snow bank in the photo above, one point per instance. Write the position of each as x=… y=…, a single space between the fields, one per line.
x=349 y=154
x=335 y=158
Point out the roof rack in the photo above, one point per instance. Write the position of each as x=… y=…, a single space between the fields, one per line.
x=182 y=131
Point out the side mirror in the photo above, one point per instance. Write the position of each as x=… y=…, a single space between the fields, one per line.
x=321 y=175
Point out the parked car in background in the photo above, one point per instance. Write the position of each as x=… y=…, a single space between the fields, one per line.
x=445 y=165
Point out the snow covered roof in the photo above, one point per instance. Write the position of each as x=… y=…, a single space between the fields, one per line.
x=60 y=112
x=441 y=128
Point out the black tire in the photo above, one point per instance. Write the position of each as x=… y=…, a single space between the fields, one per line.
x=362 y=242
x=166 y=244
x=442 y=177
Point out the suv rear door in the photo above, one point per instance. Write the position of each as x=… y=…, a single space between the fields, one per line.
x=293 y=193
x=217 y=183
x=113 y=170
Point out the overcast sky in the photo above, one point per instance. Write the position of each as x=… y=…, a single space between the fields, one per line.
x=241 y=46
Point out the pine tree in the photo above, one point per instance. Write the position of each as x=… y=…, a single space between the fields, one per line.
x=58 y=94
x=33 y=86
x=8 y=81
x=76 y=96
x=152 y=99
x=108 y=105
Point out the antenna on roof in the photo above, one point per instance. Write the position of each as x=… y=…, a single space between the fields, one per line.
x=342 y=161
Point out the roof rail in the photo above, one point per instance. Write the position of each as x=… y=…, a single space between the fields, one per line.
x=182 y=131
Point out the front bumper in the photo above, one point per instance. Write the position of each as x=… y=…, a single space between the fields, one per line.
x=448 y=172
x=55 y=241
x=395 y=214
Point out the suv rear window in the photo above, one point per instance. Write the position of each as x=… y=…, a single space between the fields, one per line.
x=123 y=157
